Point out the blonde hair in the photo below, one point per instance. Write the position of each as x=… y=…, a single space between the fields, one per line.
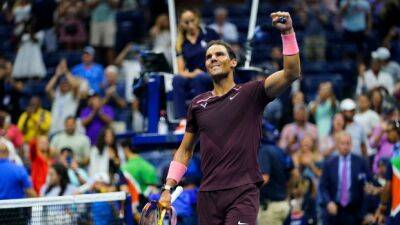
x=180 y=38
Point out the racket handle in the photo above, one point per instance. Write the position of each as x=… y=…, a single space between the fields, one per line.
x=176 y=193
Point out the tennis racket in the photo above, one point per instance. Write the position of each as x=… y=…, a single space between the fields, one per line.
x=152 y=214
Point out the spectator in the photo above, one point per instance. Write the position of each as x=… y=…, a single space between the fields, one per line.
x=21 y=13
x=356 y=21
x=297 y=98
x=89 y=70
x=40 y=158
x=129 y=5
x=10 y=91
x=314 y=18
x=105 y=156
x=273 y=112
x=14 y=184
x=327 y=143
x=366 y=117
x=275 y=62
x=96 y=117
x=379 y=139
x=372 y=191
x=358 y=135
x=161 y=36
x=138 y=171
x=10 y=131
x=104 y=213
x=43 y=13
x=390 y=191
x=77 y=176
x=12 y=153
x=70 y=14
x=226 y=30
x=342 y=184
x=308 y=159
x=113 y=91
x=57 y=183
x=374 y=77
x=323 y=108
x=377 y=97
x=388 y=66
x=302 y=201
x=29 y=60
x=190 y=47
x=274 y=208
x=64 y=94
x=293 y=133
x=130 y=67
x=103 y=26
x=70 y=138
x=35 y=121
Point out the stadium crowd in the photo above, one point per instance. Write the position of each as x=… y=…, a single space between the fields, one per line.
x=330 y=152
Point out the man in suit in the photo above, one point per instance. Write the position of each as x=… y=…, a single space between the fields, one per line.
x=342 y=184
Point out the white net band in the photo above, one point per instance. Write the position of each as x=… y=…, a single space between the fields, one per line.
x=62 y=200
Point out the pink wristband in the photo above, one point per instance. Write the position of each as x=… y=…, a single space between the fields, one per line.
x=176 y=171
x=289 y=43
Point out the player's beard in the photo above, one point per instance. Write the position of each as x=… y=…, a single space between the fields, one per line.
x=219 y=76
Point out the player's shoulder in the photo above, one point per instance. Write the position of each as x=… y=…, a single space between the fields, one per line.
x=201 y=98
x=252 y=84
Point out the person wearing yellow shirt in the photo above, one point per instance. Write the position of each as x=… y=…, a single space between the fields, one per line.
x=35 y=121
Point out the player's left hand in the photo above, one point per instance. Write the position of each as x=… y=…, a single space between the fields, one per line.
x=285 y=28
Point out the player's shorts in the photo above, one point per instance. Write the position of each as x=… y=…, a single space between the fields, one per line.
x=236 y=206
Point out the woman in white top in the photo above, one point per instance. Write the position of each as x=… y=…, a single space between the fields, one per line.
x=57 y=184
x=29 y=60
x=106 y=156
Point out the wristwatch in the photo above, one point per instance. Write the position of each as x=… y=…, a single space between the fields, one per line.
x=166 y=187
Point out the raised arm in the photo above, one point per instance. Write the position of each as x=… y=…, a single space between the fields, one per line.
x=276 y=83
x=51 y=85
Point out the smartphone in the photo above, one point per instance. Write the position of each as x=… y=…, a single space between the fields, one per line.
x=69 y=160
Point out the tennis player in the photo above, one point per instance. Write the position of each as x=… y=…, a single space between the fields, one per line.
x=227 y=121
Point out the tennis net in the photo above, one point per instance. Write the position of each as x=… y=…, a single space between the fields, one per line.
x=87 y=209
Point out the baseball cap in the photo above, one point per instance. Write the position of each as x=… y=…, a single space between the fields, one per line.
x=381 y=53
x=347 y=105
x=89 y=50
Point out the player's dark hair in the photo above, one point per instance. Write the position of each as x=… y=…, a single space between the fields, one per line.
x=228 y=47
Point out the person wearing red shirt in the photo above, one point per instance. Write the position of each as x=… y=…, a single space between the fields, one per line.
x=40 y=160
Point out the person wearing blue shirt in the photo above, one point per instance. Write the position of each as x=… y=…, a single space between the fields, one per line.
x=191 y=50
x=89 y=70
x=14 y=184
x=113 y=93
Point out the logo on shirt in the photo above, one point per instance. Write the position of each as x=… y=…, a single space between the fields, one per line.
x=233 y=96
x=204 y=105
x=242 y=223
